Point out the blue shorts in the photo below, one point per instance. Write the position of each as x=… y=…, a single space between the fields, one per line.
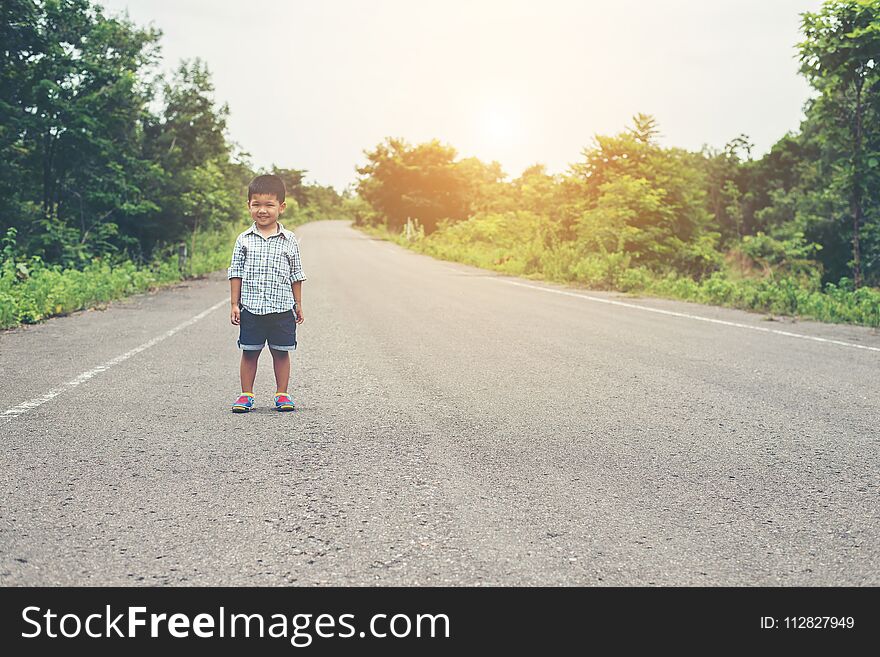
x=278 y=329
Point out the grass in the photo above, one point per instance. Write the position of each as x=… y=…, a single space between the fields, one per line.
x=31 y=291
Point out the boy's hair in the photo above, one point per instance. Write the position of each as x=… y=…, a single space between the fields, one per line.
x=267 y=184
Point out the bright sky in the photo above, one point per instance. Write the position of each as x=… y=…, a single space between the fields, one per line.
x=312 y=84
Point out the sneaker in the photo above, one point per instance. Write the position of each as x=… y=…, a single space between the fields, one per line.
x=283 y=402
x=244 y=403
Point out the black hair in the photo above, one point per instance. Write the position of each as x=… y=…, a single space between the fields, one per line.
x=267 y=184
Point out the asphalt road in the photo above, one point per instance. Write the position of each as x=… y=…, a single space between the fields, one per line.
x=454 y=426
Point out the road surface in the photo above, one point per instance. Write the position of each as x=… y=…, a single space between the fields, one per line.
x=454 y=427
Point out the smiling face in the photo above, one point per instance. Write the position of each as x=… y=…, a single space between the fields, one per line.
x=265 y=209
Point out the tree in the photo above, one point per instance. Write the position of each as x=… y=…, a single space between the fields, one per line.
x=840 y=56
x=192 y=127
x=646 y=201
x=422 y=182
x=198 y=186
x=208 y=200
x=293 y=183
x=22 y=44
x=72 y=103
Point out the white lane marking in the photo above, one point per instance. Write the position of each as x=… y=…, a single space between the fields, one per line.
x=687 y=315
x=676 y=314
x=24 y=407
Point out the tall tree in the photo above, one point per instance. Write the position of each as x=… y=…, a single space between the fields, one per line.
x=21 y=45
x=72 y=103
x=840 y=56
x=198 y=188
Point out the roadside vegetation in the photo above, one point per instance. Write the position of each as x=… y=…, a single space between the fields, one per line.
x=108 y=169
x=116 y=179
x=794 y=232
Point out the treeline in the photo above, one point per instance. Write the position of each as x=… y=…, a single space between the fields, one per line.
x=104 y=162
x=796 y=231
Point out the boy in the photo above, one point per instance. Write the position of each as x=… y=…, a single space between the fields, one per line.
x=265 y=279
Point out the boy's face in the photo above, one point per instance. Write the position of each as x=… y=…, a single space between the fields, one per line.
x=265 y=209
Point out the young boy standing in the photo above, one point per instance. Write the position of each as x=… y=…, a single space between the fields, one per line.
x=265 y=280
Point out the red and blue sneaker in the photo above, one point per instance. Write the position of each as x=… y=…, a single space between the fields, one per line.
x=244 y=403
x=283 y=402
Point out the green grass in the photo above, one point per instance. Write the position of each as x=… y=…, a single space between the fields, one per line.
x=31 y=291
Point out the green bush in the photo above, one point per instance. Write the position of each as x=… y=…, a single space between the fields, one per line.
x=31 y=291
x=783 y=295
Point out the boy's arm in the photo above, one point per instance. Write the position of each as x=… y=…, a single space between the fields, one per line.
x=297 y=287
x=235 y=299
x=236 y=272
x=296 y=281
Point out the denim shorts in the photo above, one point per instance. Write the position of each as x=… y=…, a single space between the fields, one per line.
x=278 y=329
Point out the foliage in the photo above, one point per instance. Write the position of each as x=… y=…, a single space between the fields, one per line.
x=646 y=202
x=71 y=107
x=424 y=182
x=824 y=181
x=797 y=230
x=105 y=162
x=512 y=242
x=311 y=201
x=840 y=56
x=106 y=167
x=31 y=290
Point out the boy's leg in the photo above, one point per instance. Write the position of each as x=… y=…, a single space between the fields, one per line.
x=281 y=363
x=252 y=337
x=248 y=369
x=282 y=340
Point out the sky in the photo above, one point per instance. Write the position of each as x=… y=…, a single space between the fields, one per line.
x=312 y=85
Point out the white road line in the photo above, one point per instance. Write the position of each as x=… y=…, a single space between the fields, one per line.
x=698 y=318
x=24 y=407
x=686 y=315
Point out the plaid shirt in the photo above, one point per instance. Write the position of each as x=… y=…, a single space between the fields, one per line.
x=266 y=266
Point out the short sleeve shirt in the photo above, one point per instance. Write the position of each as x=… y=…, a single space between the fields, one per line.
x=266 y=266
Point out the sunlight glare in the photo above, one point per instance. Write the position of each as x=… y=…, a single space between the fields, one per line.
x=500 y=124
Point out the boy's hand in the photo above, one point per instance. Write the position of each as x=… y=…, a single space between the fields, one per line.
x=300 y=318
x=235 y=315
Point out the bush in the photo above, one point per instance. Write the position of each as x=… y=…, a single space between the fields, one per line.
x=31 y=291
